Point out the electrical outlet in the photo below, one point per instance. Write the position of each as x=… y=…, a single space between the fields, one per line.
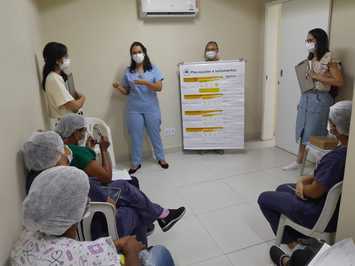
x=169 y=131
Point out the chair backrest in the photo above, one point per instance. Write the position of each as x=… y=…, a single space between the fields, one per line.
x=108 y=210
x=91 y=122
x=329 y=207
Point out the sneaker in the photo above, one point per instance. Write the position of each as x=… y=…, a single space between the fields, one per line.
x=174 y=216
x=150 y=229
x=292 y=166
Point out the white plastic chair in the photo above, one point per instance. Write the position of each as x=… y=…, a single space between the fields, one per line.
x=108 y=210
x=318 y=230
x=317 y=152
x=91 y=122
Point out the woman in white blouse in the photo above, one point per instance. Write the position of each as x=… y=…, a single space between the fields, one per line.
x=59 y=100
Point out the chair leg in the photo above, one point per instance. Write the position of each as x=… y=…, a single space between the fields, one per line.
x=304 y=162
x=280 y=230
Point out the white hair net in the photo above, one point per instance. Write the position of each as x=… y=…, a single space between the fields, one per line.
x=340 y=115
x=57 y=200
x=69 y=124
x=43 y=150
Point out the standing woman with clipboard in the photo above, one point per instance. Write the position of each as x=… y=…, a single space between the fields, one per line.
x=141 y=83
x=313 y=109
x=55 y=74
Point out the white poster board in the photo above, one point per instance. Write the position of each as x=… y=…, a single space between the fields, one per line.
x=212 y=105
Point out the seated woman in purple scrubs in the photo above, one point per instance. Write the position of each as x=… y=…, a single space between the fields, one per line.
x=304 y=203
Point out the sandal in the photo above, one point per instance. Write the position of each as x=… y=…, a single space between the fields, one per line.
x=163 y=165
x=131 y=171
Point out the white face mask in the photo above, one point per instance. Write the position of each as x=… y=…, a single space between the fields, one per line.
x=310 y=46
x=138 y=58
x=65 y=66
x=211 y=55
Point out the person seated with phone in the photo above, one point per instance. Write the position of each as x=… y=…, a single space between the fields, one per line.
x=72 y=130
x=134 y=210
x=303 y=202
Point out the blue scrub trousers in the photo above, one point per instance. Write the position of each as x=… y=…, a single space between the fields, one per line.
x=284 y=201
x=136 y=123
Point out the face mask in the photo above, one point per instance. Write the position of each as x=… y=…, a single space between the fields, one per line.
x=138 y=58
x=65 y=66
x=310 y=46
x=211 y=54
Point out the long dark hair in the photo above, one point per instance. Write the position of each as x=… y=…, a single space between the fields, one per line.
x=52 y=52
x=322 y=45
x=147 y=65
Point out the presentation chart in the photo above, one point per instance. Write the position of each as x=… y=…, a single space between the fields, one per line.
x=212 y=105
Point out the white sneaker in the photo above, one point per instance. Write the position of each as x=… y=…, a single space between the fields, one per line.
x=292 y=166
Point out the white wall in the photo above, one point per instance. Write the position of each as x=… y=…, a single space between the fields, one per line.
x=20 y=109
x=99 y=33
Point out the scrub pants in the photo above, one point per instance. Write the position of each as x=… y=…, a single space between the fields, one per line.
x=136 y=123
x=284 y=201
x=135 y=211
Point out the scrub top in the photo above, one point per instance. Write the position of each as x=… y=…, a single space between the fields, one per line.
x=140 y=98
x=329 y=172
x=82 y=156
x=36 y=249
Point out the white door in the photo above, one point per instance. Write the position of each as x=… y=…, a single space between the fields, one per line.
x=271 y=69
x=297 y=18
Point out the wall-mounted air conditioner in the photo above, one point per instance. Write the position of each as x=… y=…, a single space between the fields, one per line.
x=168 y=8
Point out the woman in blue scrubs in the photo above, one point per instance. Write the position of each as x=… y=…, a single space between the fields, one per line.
x=141 y=82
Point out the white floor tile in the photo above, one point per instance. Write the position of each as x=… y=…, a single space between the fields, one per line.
x=253 y=256
x=237 y=227
x=210 y=196
x=188 y=242
x=220 y=261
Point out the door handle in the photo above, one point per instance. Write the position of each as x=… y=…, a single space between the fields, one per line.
x=281 y=73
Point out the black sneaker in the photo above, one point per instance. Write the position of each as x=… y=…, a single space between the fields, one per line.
x=150 y=229
x=174 y=216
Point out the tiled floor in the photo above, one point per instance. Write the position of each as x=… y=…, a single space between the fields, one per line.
x=223 y=225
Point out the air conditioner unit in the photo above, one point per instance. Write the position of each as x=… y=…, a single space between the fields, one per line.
x=168 y=8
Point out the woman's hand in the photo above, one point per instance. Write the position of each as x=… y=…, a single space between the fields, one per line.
x=299 y=190
x=90 y=142
x=315 y=76
x=104 y=143
x=119 y=87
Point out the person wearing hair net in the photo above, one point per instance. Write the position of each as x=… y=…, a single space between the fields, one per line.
x=56 y=203
x=137 y=209
x=304 y=201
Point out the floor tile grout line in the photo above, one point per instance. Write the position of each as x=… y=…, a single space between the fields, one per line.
x=251 y=246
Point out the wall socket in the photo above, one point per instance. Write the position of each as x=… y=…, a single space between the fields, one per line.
x=169 y=132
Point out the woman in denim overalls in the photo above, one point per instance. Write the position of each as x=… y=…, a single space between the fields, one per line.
x=313 y=109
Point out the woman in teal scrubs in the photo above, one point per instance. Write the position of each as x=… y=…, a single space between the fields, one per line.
x=141 y=82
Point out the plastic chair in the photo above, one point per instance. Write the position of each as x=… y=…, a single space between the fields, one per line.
x=318 y=230
x=108 y=210
x=91 y=122
x=317 y=152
